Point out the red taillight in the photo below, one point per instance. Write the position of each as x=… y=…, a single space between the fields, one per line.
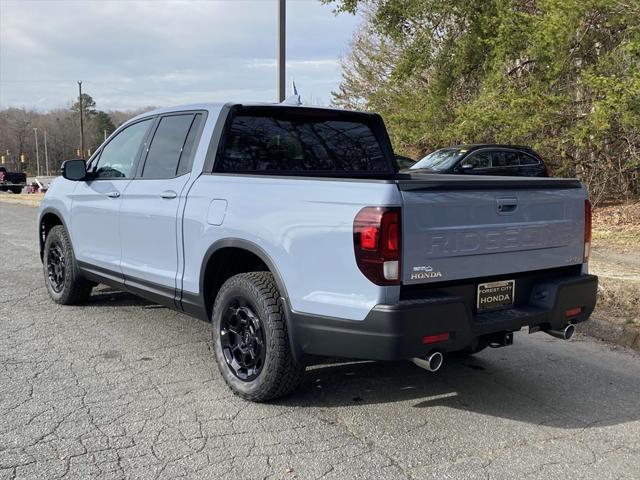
x=573 y=312
x=587 y=230
x=376 y=242
x=439 y=337
x=393 y=237
x=369 y=237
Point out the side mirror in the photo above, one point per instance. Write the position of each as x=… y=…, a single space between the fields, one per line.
x=74 y=170
x=466 y=168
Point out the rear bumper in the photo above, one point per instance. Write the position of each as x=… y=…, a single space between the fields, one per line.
x=394 y=332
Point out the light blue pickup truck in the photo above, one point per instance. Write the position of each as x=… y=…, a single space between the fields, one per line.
x=292 y=231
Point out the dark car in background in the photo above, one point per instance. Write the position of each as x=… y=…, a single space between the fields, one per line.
x=12 y=181
x=404 y=162
x=485 y=159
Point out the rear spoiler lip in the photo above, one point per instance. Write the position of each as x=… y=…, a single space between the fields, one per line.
x=412 y=182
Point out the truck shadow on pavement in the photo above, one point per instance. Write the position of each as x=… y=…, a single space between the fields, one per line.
x=577 y=395
x=539 y=381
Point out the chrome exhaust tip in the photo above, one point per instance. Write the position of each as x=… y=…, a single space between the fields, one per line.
x=432 y=362
x=565 y=334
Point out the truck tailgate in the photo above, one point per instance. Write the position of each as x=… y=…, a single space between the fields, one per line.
x=470 y=226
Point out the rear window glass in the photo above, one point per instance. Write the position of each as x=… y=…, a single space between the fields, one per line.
x=505 y=158
x=167 y=146
x=526 y=159
x=266 y=143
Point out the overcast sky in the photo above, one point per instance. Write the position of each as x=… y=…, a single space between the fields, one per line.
x=131 y=54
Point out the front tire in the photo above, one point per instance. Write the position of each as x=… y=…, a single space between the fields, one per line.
x=250 y=338
x=63 y=279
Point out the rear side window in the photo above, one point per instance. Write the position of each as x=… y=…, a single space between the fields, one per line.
x=265 y=143
x=186 y=159
x=526 y=159
x=505 y=158
x=170 y=147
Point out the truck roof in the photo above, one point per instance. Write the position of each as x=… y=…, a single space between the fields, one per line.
x=215 y=106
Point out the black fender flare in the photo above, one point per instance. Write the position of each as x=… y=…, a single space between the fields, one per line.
x=56 y=212
x=252 y=247
x=259 y=252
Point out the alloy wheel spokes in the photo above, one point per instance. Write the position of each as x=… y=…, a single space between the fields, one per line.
x=242 y=340
x=56 y=267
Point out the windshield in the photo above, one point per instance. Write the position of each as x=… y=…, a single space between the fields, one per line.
x=440 y=160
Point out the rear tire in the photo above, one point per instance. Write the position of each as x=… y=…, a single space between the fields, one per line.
x=250 y=338
x=63 y=278
x=16 y=190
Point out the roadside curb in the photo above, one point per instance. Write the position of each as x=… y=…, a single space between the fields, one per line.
x=623 y=335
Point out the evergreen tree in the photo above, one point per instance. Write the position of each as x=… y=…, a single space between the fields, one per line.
x=562 y=76
x=88 y=106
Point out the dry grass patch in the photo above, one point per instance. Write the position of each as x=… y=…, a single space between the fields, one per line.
x=619 y=301
x=31 y=199
x=617 y=224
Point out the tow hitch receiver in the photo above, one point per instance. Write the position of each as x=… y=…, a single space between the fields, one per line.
x=501 y=340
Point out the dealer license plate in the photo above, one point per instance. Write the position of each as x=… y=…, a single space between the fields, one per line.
x=495 y=295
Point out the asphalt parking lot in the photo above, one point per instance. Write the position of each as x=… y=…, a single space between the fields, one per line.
x=121 y=388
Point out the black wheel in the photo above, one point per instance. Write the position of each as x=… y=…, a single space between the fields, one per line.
x=250 y=339
x=16 y=190
x=65 y=283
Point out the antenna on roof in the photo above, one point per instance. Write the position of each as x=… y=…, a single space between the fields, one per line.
x=294 y=98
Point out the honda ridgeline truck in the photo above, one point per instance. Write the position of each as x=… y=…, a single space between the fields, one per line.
x=291 y=230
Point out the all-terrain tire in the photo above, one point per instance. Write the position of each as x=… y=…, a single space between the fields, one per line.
x=279 y=374
x=73 y=288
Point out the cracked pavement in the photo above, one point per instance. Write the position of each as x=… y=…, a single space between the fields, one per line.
x=121 y=388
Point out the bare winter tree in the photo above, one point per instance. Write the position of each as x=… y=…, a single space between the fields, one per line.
x=17 y=135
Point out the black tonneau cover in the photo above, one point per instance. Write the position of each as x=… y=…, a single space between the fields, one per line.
x=438 y=181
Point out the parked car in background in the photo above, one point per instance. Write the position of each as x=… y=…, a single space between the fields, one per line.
x=404 y=162
x=486 y=159
x=12 y=181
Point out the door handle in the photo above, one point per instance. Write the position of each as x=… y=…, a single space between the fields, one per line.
x=114 y=194
x=168 y=194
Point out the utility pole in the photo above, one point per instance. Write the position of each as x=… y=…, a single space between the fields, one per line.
x=46 y=153
x=35 y=132
x=282 y=51
x=16 y=161
x=105 y=135
x=81 y=120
